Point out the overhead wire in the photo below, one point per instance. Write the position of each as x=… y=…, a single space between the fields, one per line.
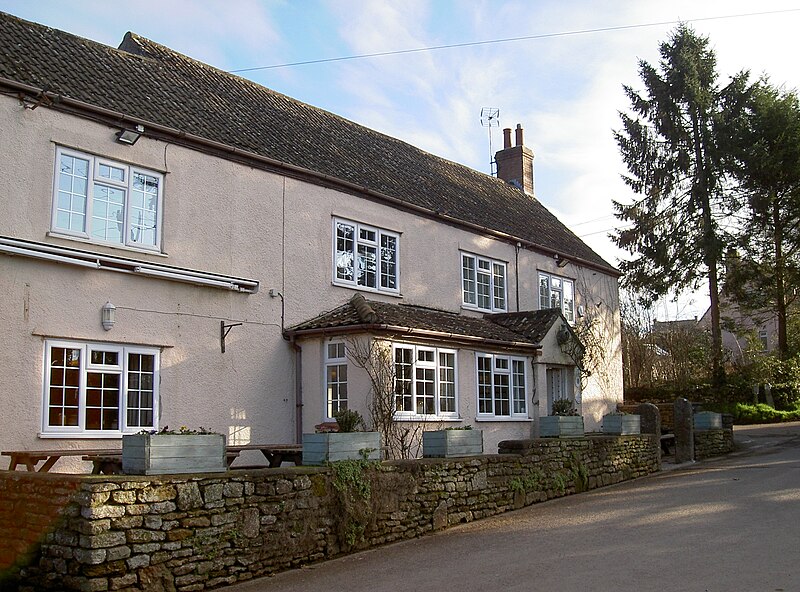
x=508 y=40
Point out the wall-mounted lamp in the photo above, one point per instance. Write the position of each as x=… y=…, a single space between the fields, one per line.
x=560 y=261
x=108 y=315
x=130 y=136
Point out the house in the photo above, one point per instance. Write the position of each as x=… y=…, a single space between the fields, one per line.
x=181 y=246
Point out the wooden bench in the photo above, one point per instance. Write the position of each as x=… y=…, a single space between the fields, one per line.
x=31 y=458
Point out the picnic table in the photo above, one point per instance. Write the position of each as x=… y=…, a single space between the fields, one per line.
x=109 y=460
x=31 y=458
x=276 y=454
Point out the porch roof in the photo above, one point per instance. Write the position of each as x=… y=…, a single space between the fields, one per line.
x=522 y=330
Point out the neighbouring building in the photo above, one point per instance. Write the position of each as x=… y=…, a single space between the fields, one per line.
x=181 y=246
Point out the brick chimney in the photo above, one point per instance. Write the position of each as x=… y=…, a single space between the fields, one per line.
x=515 y=163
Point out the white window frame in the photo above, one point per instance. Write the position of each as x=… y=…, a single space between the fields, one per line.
x=558 y=285
x=495 y=274
x=337 y=362
x=84 y=368
x=502 y=366
x=95 y=181
x=436 y=366
x=368 y=238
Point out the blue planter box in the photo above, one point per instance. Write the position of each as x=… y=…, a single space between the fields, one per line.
x=330 y=447
x=561 y=426
x=622 y=425
x=160 y=454
x=451 y=443
x=707 y=420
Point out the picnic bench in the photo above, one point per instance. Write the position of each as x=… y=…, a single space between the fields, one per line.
x=31 y=458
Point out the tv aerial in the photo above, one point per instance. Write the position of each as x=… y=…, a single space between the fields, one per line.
x=490 y=117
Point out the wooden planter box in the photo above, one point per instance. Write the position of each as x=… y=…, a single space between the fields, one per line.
x=451 y=443
x=159 y=454
x=707 y=420
x=622 y=425
x=561 y=426
x=330 y=447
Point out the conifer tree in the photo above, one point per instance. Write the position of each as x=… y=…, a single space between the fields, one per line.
x=675 y=228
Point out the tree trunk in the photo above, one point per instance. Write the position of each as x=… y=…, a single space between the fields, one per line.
x=780 y=280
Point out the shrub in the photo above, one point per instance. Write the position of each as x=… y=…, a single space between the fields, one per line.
x=349 y=421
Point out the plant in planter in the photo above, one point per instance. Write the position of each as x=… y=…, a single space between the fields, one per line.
x=158 y=452
x=350 y=442
x=452 y=442
x=564 y=422
x=621 y=424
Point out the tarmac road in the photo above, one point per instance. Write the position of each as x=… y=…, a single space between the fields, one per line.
x=725 y=525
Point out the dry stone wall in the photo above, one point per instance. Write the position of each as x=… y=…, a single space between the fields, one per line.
x=189 y=533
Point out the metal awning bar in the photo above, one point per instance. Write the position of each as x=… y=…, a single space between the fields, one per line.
x=55 y=253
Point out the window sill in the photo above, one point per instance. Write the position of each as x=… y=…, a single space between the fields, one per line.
x=492 y=418
x=394 y=294
x=83 y=435
x=472 y=308
x=428 y=418
x=119 y=247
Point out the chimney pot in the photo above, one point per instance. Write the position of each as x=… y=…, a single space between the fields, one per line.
x=518 y=135
x=507 y=138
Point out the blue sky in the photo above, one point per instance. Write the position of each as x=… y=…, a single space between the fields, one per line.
x=565 y=90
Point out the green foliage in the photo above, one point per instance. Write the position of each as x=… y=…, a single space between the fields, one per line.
x=559 y=483
x=564 y=407
x=353 y=487
x=349 y=421
x=669 y=143
x=532 y=481
x=745 y=414
x=579 y=473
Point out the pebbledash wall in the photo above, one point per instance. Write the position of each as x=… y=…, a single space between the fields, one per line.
x=96 y=533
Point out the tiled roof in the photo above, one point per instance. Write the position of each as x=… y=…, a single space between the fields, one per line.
x=149 y=82
x=527 y=329
x=534 y=325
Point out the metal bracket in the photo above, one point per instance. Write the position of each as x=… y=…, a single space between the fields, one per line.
x=223 y=333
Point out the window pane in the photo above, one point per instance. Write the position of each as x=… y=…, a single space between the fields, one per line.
x=141 y=393
x=111 y=172
x=544 y=292
x=501 y=395
x=73 y=181
x=484 y=280
x=367 y=266
x=468 y=279
x=345 y=251
x=518 y=385
x=403 y=363
x=143 y=209
x=447 y=383
x=388 y=262
x=485 y=385
x=426 y=391
x=569 y=301
x=64 y=384
x=108 y=213
x=499 y=281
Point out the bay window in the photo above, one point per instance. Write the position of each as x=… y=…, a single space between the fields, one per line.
x=501 y=386
x=335 y=378
x=424 y=381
